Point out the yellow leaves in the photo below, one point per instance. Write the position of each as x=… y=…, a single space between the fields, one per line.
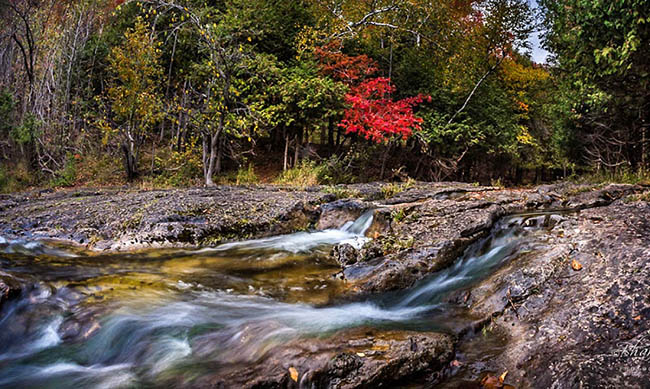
x=249 y=39
x=523 y=76
x=502 y=377
x=525 y=138
x=293 y=373
x=132 y=92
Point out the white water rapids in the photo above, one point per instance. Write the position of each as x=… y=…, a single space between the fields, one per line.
x=87 y=327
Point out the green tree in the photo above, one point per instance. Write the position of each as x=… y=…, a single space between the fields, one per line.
x=135 y=105
x=308 y=102
x=602 y=63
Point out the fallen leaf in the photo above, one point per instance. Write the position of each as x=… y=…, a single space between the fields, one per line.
x=575 y=265
x=502 y=377
x=294 y=374
x=361 y=354
x=636 y=318
x=490 y=382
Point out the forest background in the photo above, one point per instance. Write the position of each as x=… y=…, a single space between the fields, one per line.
x=165 y=93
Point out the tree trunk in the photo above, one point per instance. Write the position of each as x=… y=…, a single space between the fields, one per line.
x=383 y=162
x=286 y=150
x=214 y=143
x=330 y=134
x=478 y=84
x=296 y=157
x=323 y=136
x=217 y=167
x=130 y=165
x=204 y=158
x=296 y=150
x=644 y=165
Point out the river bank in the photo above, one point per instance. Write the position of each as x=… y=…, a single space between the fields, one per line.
x=557 y=293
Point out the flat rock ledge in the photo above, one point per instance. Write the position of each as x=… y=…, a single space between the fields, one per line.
x=360 y=358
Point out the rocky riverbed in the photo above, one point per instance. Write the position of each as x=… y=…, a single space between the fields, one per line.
x=570 y=309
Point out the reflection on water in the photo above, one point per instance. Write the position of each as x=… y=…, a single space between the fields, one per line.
x=146 y=318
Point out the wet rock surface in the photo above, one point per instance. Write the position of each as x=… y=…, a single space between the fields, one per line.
x=360 y=358
x=113 y=219
x=575 y=311
x=10 y=287
x=427 y=231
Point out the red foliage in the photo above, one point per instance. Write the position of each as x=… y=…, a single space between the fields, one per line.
x=339 y=66
x=374 y=115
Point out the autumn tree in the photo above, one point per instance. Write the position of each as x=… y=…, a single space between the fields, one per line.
x=133 y=98
x=372 y=112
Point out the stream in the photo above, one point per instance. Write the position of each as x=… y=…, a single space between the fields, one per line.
x=146 y=318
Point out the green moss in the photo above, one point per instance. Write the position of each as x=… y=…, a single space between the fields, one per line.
x=392 y=244
x=392 y=189
x=638 y=197
x=341 y=192
x=133 y=222
x=398 y=215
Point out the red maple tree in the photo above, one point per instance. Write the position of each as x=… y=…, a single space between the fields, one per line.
x=342 y=67
x=372 y=112
x=374 y=115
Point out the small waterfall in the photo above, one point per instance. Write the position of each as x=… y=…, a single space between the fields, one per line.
x=464 y=272
x=361 y=225
x=301 y=242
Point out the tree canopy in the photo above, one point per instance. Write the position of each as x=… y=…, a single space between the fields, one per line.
x=186 y=91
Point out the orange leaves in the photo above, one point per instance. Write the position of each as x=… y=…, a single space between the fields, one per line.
x=493 y=382
x=342 y=67
x=575 y=265
x=293 y=373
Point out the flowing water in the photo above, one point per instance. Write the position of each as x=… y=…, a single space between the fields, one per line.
x=146 y=318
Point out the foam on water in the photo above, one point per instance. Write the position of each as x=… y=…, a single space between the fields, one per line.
x=300 y=242
x=20 y=246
